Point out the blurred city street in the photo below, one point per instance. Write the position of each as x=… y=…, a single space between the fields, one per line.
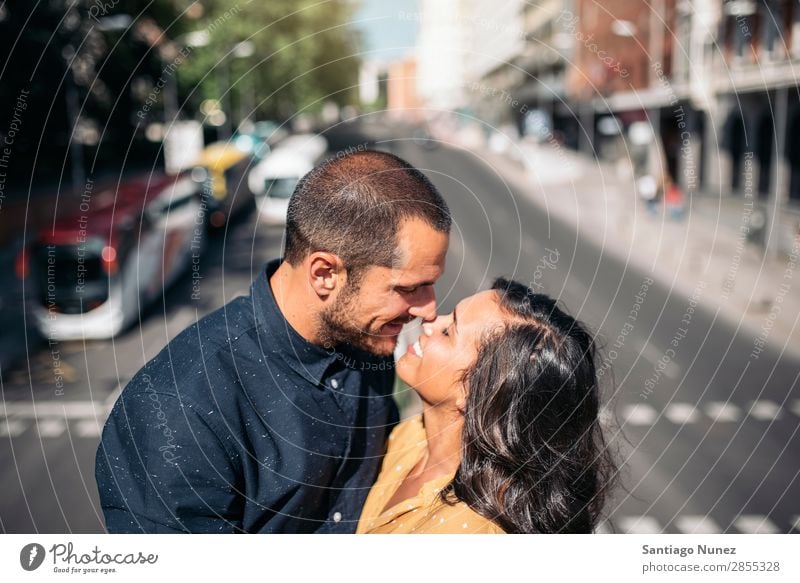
x=676 y=243
x=712 y=448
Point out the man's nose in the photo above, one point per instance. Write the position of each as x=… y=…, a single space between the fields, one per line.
x=424 y=305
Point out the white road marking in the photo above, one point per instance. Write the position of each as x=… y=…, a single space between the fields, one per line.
x=12 y=428
x=720 y=411
x=755 y=524
x=61 y=409
x=653 y=354
x=51 y=427
x=603 y=528
x=796 y=407
x=765 y=410
x=640 y=525
x=681 y=413
x=89 y=428
x=639 y=414
x=796 y=522
x=697 y=524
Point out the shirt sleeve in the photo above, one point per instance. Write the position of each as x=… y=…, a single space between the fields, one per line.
x=161 y=467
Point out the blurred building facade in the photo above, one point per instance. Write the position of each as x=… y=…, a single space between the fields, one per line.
x=715 y=80
x=443 y=43
x=402 y=88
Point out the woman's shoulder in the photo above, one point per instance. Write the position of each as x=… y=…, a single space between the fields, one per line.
x=458 y=518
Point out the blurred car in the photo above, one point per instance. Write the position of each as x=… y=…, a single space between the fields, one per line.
x=222 y=169
x=16 y=321
x=96 y=268
x=259 y=138
x=273 y=180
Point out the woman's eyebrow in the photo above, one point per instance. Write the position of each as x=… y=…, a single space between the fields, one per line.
x=455 y=319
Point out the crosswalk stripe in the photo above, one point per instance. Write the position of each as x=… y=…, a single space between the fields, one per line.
x=755 y=524
x=796 y=522
x=603 y=528
x=88 y=428
x=12 y=428
x=765 y=410
x=68 y=409
x=796 y=407
x=681 y=413
x=691 y=524
x=51 y=427
x=639 y=414
x=655 y=356
x=722 y=411
x=640 y=525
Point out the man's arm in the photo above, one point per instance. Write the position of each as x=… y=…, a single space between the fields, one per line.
x=162 y=467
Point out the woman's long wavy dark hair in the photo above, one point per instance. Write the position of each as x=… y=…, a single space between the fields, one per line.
x=534 y=459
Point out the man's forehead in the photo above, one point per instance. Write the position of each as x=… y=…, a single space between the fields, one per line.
x=416 y=274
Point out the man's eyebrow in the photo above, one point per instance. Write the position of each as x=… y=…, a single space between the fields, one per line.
x=455 y=319
x=416 y=285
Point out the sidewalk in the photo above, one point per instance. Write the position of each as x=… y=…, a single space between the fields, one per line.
x=704 y=254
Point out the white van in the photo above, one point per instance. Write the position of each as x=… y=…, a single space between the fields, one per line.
x=274 y=179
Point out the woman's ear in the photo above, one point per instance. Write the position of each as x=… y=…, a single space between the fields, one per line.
x=461 y=401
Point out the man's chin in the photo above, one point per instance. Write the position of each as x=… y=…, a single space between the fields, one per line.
x=380 y=345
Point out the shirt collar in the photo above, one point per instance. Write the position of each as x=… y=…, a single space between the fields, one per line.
x=305 y=358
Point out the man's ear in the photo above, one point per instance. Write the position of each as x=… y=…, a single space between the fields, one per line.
x=326 y=273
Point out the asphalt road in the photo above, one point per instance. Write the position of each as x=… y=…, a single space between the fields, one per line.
x=706 y=435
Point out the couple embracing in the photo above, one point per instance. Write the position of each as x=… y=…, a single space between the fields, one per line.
x=275 y=414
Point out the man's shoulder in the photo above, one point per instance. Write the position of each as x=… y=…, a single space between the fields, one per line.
x=196 y=357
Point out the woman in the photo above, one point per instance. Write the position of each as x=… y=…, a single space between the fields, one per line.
x=509 y=439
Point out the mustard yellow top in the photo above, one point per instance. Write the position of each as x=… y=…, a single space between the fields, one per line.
x=425 y=513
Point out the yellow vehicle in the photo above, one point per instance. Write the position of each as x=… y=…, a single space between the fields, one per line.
x=223 y=168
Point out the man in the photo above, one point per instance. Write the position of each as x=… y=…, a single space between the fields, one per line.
x=270 y=414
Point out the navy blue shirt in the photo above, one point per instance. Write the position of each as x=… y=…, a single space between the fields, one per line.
x=241 y=425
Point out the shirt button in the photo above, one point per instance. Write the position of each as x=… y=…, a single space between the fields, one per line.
x=334 y=383
x=337 y=516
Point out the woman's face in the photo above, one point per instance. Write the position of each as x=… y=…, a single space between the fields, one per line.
x=435 y=365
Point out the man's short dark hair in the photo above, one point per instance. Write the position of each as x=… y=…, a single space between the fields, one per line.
x=354 y=204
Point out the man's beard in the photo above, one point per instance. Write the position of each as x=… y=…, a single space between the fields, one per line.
x=336 y=326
